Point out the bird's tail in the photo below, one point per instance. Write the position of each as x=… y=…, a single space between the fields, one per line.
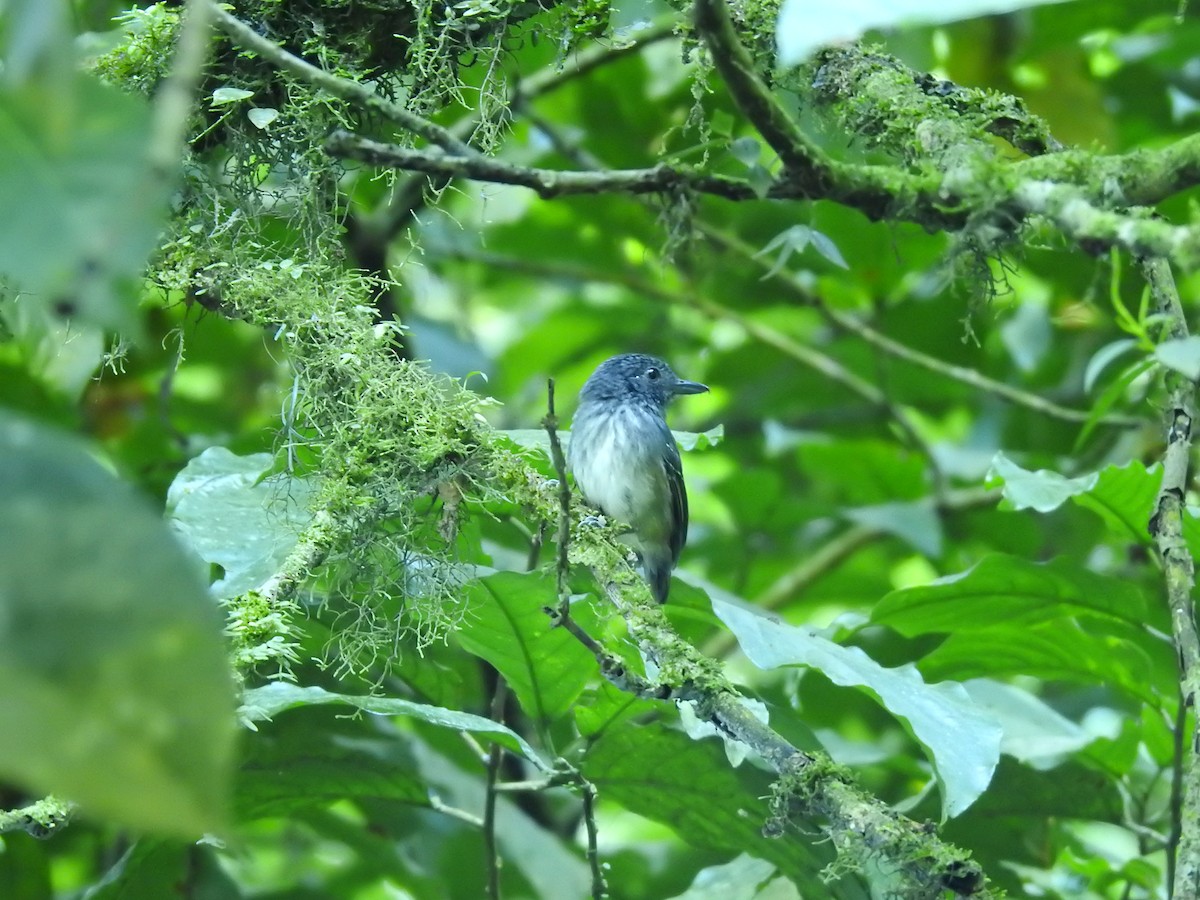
x=658 y=572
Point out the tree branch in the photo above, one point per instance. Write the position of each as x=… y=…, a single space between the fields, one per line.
x=344 y=88
x=40 y=819
x=1166 y=528
x=892 y=347
x=548 y=183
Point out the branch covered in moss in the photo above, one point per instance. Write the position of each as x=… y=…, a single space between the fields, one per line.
x=41 y=819
x=346 y=89
x=1166 y=528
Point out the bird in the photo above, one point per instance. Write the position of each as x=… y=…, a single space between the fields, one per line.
x=625 y=460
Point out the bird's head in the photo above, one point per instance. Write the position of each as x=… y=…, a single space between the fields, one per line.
x=634 y=377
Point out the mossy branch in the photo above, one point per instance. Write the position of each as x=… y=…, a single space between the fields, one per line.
x=344 y=88
x=1166 y=528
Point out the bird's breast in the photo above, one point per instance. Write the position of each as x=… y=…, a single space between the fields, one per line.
x=617 y=459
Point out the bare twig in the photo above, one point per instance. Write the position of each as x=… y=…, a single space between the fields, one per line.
x=563 y=569
x=599 y=886
x=894 y=348
x=547 y=183
x=494 y=759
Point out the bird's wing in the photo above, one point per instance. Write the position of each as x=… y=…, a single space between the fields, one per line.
x=678 y=509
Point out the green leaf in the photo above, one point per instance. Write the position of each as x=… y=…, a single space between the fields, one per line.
x=1114 y=393
x=116 y=685
x=1002 y=589
x=1033 y=732
x=505 y=624
x=742 y=878
x=234 y=518
x=225 y=95
x=262 y=117
x=962 y=740
x=688 y=785
x=73 y=161
x=1042 y=490
x=153 y=868
x=1060 y=649
x=313 y=757
x=263 y=703
x=916 y=522
x=1124 y=498
x=1182 y=355
x=803 y=27
x=1104 y=357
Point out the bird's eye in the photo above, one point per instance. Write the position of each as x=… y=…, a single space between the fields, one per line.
x=653 y=373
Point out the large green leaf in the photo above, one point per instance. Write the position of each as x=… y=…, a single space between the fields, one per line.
x=73 y=161
x=742 y=878
x=313 y=757
x=263 y=703
x=116 y=684
x=1123 y=496
x=1099 y=651
x=802 y=27
x=962 y=740
x=1002 y=589
x=235 y=518
x=506 y=625
x=689 y=786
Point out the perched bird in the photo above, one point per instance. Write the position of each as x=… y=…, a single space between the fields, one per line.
x=625 y=460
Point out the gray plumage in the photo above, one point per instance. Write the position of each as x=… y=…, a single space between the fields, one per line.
x=625 y=460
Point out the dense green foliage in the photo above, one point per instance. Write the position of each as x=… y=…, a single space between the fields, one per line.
x=922 y=485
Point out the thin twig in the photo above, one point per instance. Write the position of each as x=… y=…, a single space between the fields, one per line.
x=436 y=804
x=599 y=886
x=548 y=183
x=563 y=569
x=495 y=758
x=894 y=348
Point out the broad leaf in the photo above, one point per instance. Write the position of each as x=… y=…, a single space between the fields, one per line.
x=1182 y=355
x=312 y=757
x=73 y=161
x=962 y=740
x=1002 y=589
x=116 y=688
x=1042 y=490
x=261 y=704
x=1061 y=649
x=803 y=27
x=506 y=624
x=689 y=786
x=236 y=519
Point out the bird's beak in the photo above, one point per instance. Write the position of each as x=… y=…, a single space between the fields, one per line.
x=689 y=387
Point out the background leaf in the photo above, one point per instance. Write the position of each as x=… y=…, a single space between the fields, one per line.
x=117 y=689
x=963 y=741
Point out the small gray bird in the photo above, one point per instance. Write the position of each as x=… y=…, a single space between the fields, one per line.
x=625 y=460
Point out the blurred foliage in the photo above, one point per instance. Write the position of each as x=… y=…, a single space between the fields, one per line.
x=269 y=377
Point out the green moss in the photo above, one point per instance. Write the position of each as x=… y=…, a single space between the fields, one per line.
x=142 y=60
